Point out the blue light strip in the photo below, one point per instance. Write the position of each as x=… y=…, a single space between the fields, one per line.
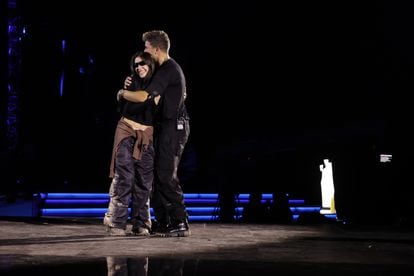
x=106 y=196
x=75 y=201
x=101 y=211
x=296 y=201
x=106 y=201
x=52 y=201
x=296 y=217
x=305 y=209
x=86 y=212
x=241 y=198
x=202 y=210
x=247 y=196
x=62 y=73
x=62 y=83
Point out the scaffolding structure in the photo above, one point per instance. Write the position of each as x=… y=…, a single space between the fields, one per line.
x=14 y=73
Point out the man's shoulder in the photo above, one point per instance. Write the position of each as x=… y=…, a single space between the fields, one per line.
x=170 y=67
x=172 y=63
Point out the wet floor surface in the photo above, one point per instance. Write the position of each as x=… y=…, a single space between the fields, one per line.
x=82 y=247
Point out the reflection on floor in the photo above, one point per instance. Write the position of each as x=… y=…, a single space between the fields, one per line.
x=119 y=266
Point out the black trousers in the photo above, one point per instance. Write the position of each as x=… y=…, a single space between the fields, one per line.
x=168 y=197
x=133 y=178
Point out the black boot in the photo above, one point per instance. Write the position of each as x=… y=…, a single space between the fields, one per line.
x=179 y=229
x=159 y=228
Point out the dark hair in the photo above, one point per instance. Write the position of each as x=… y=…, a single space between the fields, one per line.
x=137 y=81
x=146 y=57
x=158 y=39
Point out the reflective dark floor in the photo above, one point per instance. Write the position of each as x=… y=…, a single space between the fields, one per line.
x=158 y=266
x=81 y=247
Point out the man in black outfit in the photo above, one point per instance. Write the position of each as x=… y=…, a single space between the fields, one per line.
x=171 y=134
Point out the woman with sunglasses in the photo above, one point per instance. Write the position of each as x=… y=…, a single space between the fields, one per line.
x=132 y=162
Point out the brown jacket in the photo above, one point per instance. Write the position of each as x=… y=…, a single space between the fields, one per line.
x=142 y=139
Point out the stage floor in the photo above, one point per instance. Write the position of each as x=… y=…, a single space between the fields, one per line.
x=81 y=246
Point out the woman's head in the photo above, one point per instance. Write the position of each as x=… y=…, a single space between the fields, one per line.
x=142 y=65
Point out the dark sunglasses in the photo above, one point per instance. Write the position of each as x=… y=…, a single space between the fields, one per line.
x=141 y=63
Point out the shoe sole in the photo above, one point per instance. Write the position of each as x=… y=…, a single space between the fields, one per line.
x=185 y=233
x=141 y=234
x=115 y=234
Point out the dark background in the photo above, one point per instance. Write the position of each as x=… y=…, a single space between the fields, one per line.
x=272 y=90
